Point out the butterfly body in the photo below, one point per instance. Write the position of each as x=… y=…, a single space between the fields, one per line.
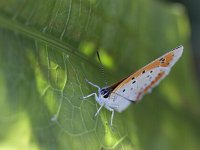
x=131 y=89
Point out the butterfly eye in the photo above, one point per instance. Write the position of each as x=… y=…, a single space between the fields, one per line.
x=105 y=93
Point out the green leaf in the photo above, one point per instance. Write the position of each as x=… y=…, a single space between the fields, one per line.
x=48 y=48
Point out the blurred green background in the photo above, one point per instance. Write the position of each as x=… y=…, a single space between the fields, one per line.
x=48 y=48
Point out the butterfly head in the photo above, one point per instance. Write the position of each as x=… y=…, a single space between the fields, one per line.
x=104 y=92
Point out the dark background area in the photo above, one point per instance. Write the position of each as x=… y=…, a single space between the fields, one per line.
x=193 y=10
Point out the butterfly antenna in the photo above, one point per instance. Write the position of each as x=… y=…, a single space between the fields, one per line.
x=102 y=69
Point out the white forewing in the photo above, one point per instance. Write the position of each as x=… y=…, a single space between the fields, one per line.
x=133 y=90
x=149 y=76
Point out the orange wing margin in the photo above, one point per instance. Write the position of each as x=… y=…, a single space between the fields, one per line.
x=163 y=61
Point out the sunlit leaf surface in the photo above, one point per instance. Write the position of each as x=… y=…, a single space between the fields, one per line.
x=48 y=48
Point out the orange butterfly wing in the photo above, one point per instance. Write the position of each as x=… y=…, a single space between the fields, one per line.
x=147 y=77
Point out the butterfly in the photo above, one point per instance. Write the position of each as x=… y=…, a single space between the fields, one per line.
x=131 y=89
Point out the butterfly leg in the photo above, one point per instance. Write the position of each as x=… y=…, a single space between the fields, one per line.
x=112 y=115
x=93 y=84
x=84 y=97
x=99 y=110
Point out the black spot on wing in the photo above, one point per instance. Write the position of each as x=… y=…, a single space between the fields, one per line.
x=148 y=76
x=162 y=60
